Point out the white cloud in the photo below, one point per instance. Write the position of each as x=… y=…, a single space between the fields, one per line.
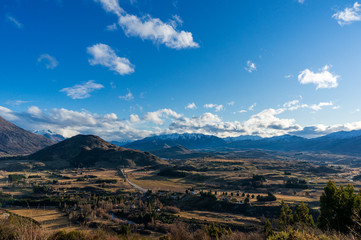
x=176 y=21
x=295 y=105
x=216 y=107
x=318 y=107
x=15 y=22
x=111 y=6
x=301 y=1
x=250 y=66
x=191 y=106
x=8 y=114
x=242 y=111
x=104 y=55
x=251 y=108
x=231 y=103
x=291 y=103
x=148 y=28
x=127 y=97
x=267 y=123
x=82 y=91
x=112 y=27
x=288 y=76
x=157 y=117
x=134 y=118
x=69 y=123
x=35 y=111
x=322 y=79
x=50 y=61
x=111 y=116
x=16 y=102
x=348 y=15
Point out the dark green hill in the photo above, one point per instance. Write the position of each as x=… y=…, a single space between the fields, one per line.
x=90 y=150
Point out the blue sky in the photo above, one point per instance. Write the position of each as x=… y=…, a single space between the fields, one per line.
x=132 y=68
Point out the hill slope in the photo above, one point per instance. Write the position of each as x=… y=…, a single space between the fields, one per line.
x=17 y=141
x=90 y=150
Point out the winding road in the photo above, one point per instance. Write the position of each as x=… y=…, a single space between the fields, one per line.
x=143 y=190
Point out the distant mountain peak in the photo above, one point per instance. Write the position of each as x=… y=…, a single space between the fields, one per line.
x=53 y=136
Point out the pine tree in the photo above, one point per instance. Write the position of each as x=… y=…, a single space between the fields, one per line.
x=337 y=206
x=268 y=228
x=301 y=215
x=286 y=217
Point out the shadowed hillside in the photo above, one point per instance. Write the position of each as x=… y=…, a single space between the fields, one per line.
x=17 y=141
x=90 y=150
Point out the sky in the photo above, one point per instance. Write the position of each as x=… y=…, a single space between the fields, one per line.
x=128 y=69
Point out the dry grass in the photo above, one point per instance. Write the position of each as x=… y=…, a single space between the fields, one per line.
x=220 y=217
x=49 y=218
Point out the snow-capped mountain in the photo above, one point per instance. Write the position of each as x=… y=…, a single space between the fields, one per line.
x=348 y=143
x=343 y=134
x=50 y=135
x=188 y=140
x=241 y=138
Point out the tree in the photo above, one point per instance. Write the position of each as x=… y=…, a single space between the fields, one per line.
x=286 y=216
x=268 y=228
x=301 y=215
x=337 y=206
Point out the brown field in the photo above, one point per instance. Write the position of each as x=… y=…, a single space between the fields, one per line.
x=50 y=219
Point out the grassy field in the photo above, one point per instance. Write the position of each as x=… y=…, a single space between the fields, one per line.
x=231 y=183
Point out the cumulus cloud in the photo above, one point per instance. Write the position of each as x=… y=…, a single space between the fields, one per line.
x=104 y=55
x=157 y=117
x=231 y=103
x=134 y=118
x=267 y=123
x=127 y=97
x=82 y=91
x=35 y=111
x=216 y=107
x=348 y=15
x=191 y=106
x=322 y=79
x=149 y=28
x=50 y=61
x=15 y=22
x=250 y=66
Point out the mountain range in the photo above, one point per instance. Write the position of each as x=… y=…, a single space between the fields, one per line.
x=17 y=141
x=348 y=143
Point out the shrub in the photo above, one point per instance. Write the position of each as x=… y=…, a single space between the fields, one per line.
x=269 y=198
x=15 y=177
